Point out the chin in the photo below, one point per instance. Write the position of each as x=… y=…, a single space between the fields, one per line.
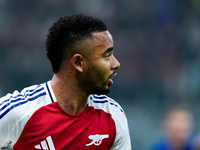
x=102 y=91
x=105 y=91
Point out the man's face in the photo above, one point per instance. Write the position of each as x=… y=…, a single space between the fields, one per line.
x=100 y=64
x=179 y=126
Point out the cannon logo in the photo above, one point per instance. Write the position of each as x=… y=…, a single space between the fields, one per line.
x=96 y=139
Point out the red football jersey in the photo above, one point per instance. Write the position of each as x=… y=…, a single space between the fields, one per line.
x=33 y=119
x=68 y=131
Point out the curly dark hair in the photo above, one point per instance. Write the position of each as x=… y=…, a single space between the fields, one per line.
x=66 y=32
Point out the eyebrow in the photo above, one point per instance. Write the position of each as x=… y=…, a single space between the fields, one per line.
x=108 y=50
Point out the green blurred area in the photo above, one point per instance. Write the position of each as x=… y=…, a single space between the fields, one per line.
x=157 y=43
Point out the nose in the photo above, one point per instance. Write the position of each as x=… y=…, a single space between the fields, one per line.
x=115 y=63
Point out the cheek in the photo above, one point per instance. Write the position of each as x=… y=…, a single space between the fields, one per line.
x=104 y=64
x=104 y=69
x=98 y=73
x=100 y=68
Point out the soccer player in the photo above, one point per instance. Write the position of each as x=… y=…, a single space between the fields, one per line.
x=71 y=111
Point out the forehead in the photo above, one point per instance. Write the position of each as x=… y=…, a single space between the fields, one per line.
x=102 y=39
x=101 y=36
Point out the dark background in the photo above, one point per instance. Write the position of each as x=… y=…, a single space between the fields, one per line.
x=156 y=41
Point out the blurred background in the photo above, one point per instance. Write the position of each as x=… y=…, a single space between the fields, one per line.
x=156 y=41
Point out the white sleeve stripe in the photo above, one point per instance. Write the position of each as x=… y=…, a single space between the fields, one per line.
x=26 y=93
x=105 y=100
x=19 y=97
x=18 y=101
x=102 y=97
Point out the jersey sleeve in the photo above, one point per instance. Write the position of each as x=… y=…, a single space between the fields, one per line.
x=16 y=109
x=8 y=119
x=122 y=140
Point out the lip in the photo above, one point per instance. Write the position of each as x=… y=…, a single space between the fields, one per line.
x=114 y=74
x=111 y=77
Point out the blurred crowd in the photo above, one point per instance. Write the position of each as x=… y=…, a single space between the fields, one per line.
x=178 y=131
x=157 y=43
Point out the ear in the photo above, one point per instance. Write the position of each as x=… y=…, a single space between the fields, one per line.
x=77 y=62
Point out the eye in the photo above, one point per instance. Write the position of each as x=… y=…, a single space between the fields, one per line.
x=108 y=54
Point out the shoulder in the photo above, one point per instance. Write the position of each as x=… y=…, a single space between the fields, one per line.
x=107 y=104
x=110 y=106
x=16 y=109
x=17 y=99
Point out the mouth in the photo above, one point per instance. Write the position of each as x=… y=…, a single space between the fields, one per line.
x=110 y=80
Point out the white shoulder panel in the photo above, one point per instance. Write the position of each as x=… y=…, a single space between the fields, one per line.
x=122 y=140
x=17 y=108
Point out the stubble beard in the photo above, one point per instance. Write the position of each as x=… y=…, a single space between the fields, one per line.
x=92 y=88
x=91 y=83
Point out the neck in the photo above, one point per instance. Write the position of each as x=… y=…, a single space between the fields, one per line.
x=71 y=98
